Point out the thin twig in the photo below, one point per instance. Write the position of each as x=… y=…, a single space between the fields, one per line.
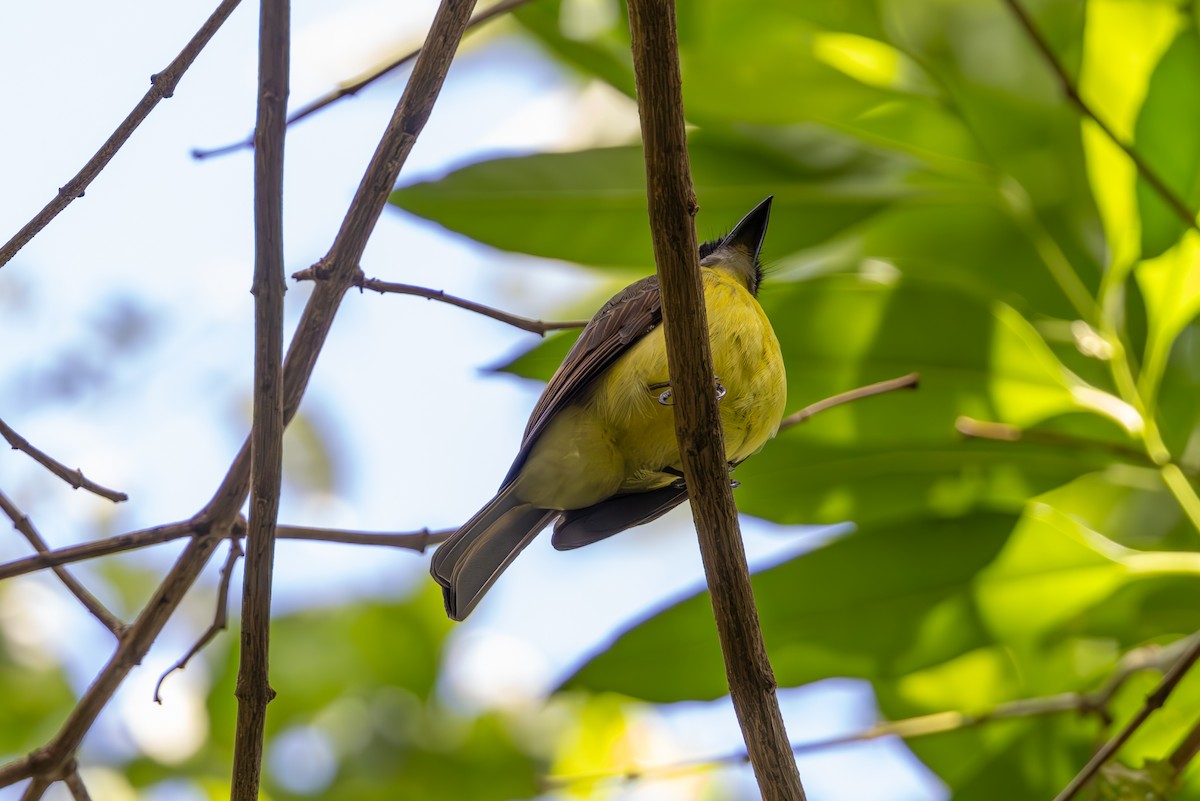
x=162 y=85
x=220 y=617
x=1067 y=84
x=354 y=87
x=90 y=550
x=538 y=327
x=1186 y=750
x=24 y=525
x=909 y=381
x=672 y=208
x=253 y=690
x=36 y=789
x=75 y=785
x=411 y=540
x=73 y=477
x=1153 y=701
x=1003 y=432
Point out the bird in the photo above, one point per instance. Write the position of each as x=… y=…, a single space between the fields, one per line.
x=599 y=453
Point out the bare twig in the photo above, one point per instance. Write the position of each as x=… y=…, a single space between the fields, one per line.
x=1003 y=432
x=672 y=206
x=1067 y=84
x=356 y=86
x=73 y=477
x=220 y=617
x=538 y=327
x=253 y=689
x=162 y=85
x=75 y=784
x=36 y=789
x=1153 y=701
x=412 y=540
x=909 y=381
x=24 y=525
x=1186 y=750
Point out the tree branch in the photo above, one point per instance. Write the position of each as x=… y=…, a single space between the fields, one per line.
x=220 y=617
x=90 y=602
x=1153 y=701
x=1168 y=195
x=538 y=327
x=162 y=85
x=412 y=540
x=73 y=477
x=90 y=550
x=75 y=784
x=354 y=87
x=254 y=690
x=672 y=206
x=909 y=381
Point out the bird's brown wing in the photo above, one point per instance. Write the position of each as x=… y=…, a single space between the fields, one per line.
x=623 y=320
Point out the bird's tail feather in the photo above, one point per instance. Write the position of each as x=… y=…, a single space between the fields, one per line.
x=468 y=563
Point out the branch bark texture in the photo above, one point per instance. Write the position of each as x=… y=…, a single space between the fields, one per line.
x=266 y=435
x=672 y=204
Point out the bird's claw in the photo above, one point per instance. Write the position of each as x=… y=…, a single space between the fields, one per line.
x=666 y=399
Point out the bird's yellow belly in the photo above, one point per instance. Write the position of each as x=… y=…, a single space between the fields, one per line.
x=620 y=438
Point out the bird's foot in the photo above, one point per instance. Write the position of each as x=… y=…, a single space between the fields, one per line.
x=678 y=483
x=666 y=399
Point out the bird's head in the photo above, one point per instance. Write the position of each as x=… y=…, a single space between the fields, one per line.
x=737 y=251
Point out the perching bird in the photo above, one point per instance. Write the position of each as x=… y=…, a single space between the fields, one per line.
x=599 y=453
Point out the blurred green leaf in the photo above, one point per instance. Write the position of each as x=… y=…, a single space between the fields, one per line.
x=590 y=206
x=1164 y=137
x=885 y=601
x=37 y=698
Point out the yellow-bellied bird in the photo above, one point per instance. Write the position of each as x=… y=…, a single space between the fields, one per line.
x=599 y=453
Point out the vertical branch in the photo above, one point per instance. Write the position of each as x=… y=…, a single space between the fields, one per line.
x=266 y=434
x=672 y=205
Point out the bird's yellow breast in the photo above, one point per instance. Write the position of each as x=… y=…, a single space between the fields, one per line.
x=619 y=437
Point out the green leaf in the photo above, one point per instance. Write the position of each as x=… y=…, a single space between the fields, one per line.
x=1115 y=88
x=1170 y=286
x=900 y=455
x=590 y=206
x=880 y=602
x=1164 y=136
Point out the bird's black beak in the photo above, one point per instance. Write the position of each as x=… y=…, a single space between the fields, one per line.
x=750 y=232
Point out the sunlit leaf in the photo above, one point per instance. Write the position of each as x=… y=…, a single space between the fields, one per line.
x=1169 y=115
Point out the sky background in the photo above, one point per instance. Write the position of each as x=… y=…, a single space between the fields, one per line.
x=130 y=328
